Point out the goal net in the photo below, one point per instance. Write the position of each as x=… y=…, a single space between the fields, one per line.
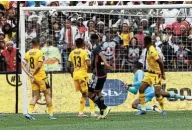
x=121 y=30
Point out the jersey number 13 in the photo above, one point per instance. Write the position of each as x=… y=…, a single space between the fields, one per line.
x=77 y=60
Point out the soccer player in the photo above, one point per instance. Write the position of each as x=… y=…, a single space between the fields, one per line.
x=81 y=63
x=153 y=77
x=149 y=92
x=99 y=66
x=39 y=82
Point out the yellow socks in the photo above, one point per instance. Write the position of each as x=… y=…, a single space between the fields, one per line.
x=82 y=104
x=161 y=102
x=31 y=109
x=142 y=100
x=92 y=106
x=50 y=110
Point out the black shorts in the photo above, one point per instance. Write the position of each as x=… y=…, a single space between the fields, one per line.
x=96 y=84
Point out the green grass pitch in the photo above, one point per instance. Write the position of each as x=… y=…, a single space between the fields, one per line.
x=174 y=120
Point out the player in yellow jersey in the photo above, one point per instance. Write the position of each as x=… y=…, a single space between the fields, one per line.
x=153 y=77
x=34 y=68
x=80 y=60
x=81 y=63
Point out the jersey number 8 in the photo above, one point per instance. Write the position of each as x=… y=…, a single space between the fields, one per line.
x=32 y=66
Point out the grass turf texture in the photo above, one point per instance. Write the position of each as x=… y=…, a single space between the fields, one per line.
x=116 y=121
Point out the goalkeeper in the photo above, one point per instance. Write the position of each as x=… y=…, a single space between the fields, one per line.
x=149 y=92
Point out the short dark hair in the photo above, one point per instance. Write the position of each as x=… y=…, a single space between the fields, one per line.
x=138 y=65
x=94 y=37
x=79 y=42
x=147 y=40
x=35 y=41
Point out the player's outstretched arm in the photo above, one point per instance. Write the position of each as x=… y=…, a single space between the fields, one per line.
x=105 y=61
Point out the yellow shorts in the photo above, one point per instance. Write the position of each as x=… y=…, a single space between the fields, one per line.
x=81 y=85
x=40 y=84
x=152 y=79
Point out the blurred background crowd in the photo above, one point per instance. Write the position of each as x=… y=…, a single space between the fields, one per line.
x=121 y=33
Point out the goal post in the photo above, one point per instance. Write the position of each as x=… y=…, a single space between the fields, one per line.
x=125 y=10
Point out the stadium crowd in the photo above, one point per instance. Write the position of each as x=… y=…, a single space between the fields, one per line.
x=122 y=37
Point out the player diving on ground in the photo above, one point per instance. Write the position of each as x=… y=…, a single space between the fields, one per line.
x=149 y=92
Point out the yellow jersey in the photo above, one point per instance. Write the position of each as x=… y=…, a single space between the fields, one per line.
x=33 y=56
x=152 y=56
x=126 y=38
x=78 y=58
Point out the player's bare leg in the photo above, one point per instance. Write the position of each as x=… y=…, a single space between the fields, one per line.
x=48 y=100
x=174 y=95
x=142 y=98
x=82 y=104
x=159 y=97
x=36 y=95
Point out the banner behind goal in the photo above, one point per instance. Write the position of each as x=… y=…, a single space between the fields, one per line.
x=121 y=30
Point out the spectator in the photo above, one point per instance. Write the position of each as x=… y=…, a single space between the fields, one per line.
x=174 y=44
x=9 y=34
x=10 y=56
x=182 y=58
x=66 y=41
x=140 y=36
x=157 y=43
x=11 y=18
x=157 y=32
x=53 y=3
x=56 y=32
x=2 y=36
x=167 y=51
x=1 y=15
x=147 y=30
x=52 y=57
x=125 y=35
x=100 y=31
x=82 y=29
x=133 y=52
x=91 y=30
x=30 y=32
x=74 y=29
x=169 y=33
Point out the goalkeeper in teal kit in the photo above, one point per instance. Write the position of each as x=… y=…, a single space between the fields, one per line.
x=149 y=92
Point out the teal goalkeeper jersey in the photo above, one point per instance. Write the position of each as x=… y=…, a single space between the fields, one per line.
x=52 y=58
